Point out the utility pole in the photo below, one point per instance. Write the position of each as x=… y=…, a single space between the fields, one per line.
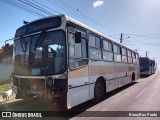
x=146 y=53
x=121 y=37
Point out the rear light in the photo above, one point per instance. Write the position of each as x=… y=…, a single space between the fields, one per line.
x=69 y=86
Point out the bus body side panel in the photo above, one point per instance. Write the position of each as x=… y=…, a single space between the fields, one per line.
x=137 y=72
x=78 y=83
x=131 y=70
x=121 y=73
x=99 y=69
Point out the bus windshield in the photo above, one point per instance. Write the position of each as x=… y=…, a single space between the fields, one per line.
x=144 y=63
x=41 y=54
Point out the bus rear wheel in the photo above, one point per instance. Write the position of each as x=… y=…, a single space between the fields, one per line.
x=98 y=91
x=133 y=77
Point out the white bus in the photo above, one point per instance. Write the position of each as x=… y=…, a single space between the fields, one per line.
x=147 y=66
x=61 y=59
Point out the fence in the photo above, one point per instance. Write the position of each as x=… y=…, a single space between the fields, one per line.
x=5 y=71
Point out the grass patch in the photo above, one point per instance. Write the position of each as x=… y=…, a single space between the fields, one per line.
x=4 y=87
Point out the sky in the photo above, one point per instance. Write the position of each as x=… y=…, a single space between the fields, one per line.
x=138 y=20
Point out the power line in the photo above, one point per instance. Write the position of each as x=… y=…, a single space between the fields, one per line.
x=40 y=9
x=132 y=44
x=21 y=7
x=138 y=44
x=135 y=47
x=39 y=6
x=70 y=9
x=60 y=6
x=114 y=35
x=128 y=46
x=28 y=8
x=66 y=9
x=46 y=7
x=149 y=36
x=148 y=43
x=143 y=41
x=31 y=5
x=143 y=35
x=84 y=15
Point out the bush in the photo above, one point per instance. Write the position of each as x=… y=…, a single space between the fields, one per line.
x=4 y=86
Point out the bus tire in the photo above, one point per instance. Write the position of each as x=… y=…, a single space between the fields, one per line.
x=98 y=91
x=133 y=77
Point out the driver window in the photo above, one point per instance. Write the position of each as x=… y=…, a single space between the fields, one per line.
x=75 y=49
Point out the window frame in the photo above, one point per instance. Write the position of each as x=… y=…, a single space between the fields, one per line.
x=124 y=55
x=137 y=58
x=107 y=51
x=94 y=47
x=133 y=58
x=96 y=36
x=129 y=56
x=68 y=32
x=119 y=52
x=77 y=28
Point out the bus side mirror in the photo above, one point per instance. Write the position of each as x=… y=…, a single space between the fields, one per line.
x=78 y=37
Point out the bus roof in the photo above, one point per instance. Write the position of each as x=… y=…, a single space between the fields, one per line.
x=95 y=31
x=144 y=57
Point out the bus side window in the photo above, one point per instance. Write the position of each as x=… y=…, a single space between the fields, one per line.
x=137 y=58
x=133 y=57
x=84 y=48
x=124 y=55
x=107 y=50
x=95 y=47
x=117 y=53
x=129 y=56
x=71 y=40
x=77 y=52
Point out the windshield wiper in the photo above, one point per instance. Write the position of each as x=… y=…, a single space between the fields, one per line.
x=40 y=39
x=22 y=42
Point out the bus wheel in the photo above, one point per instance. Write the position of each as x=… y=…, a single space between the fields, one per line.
x=98 y=91
x=133 y=77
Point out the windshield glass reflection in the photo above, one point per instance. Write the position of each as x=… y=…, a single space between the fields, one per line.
x=45 y=52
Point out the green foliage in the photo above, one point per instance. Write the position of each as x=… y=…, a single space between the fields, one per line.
x=4 y=87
